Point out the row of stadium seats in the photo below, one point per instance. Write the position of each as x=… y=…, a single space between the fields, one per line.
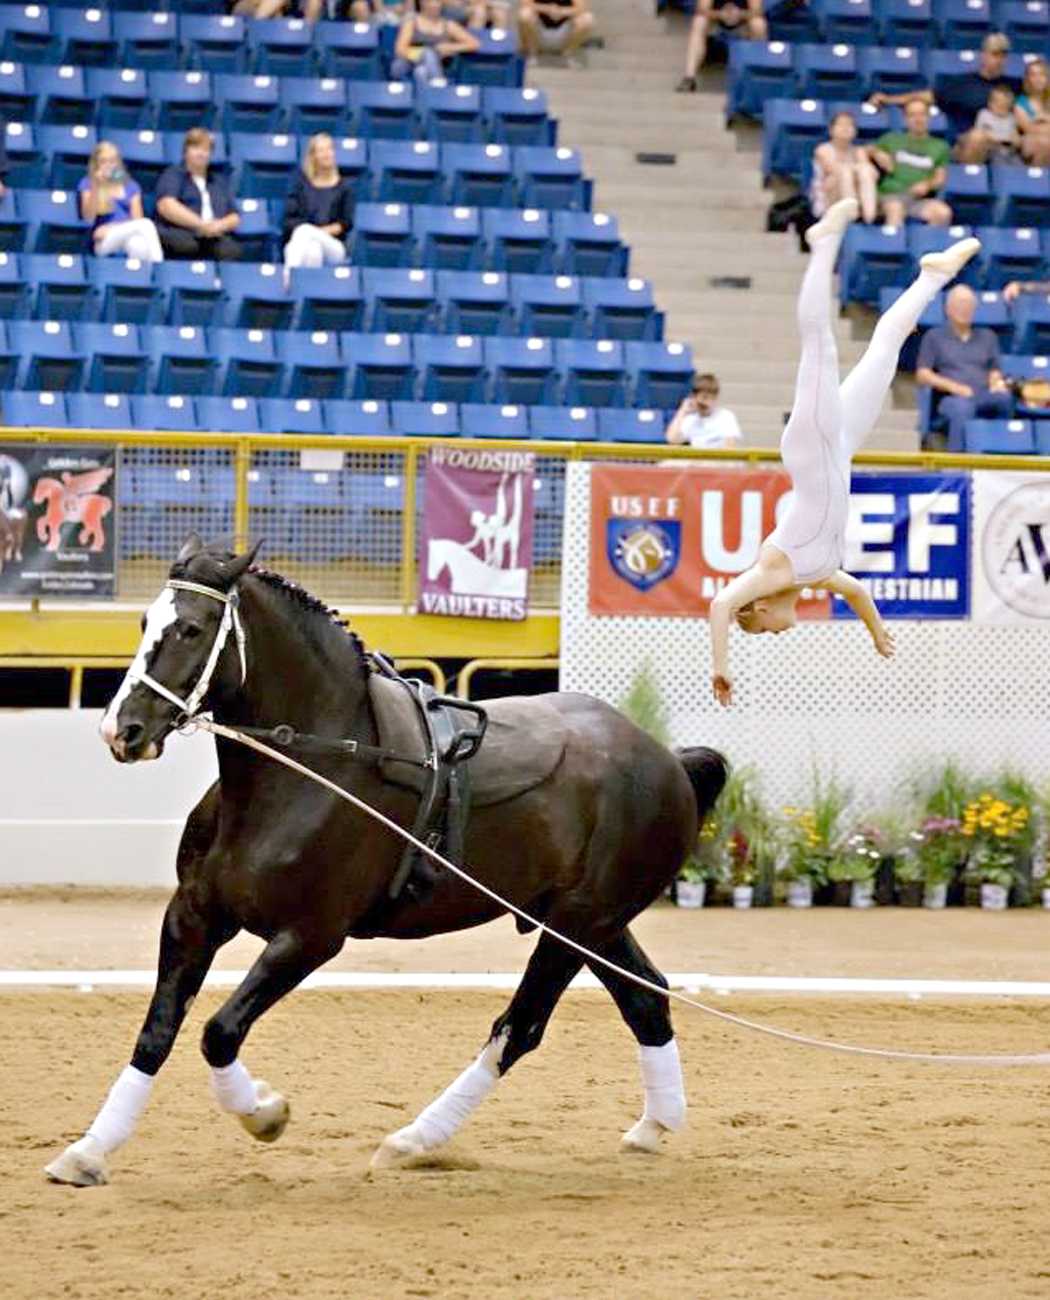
x=951 y=24
x=760 y=70
x=399 y=171
x=367 y=418
x=41 y=33
x=132 y=99
x=254 y=296
x=1007 y=437
x=184 y=359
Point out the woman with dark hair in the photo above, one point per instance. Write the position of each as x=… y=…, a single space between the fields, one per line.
x=425 y=43
x=842 y=170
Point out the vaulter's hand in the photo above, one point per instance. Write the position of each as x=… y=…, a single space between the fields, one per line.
x=884 y=642
x=723 y=689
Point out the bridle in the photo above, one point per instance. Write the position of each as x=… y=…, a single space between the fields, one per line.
x=231 y=620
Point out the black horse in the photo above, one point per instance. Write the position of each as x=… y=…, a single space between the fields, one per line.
x=268 y=851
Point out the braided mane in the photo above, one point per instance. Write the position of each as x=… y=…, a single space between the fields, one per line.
x=310 y=604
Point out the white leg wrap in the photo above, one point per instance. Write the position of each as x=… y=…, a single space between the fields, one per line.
x=664 y=1089
x=448 y=1112
x=116 y=1121
x=234 y=1089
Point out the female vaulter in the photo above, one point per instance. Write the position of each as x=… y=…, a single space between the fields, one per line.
x=828 y=423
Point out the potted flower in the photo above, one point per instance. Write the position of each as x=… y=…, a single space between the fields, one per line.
x=997 y=830
x=690 y=886
x=750 y=842
x=811 y=844
x=942 y=797
x=704 y=867
x=937 y=848
x=741 y=872
x=856 y=864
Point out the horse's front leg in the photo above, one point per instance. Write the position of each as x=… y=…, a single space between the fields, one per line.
x=188 y=944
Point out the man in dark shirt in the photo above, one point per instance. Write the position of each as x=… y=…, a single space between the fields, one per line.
x=196 y=214
x=961 y=364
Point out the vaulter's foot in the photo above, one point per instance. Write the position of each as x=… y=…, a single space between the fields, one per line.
x=834 y=221
x=950 y=261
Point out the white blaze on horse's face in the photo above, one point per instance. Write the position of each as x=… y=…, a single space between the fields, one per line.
x=159 y=617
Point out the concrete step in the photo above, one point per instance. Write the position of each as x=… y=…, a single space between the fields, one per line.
x=616 y=195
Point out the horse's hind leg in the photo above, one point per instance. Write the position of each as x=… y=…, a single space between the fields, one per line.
x=551 y=969
x=188 y=943
x=648 y=1016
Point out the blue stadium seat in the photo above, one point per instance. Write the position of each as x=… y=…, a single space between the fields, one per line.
x=593 y=370
x=623 y=309
x=1042 y=437
x=214 y=42
x=407 y=171
x=17 y=102
x=494 y=63
x=316 y=515
x=174 y=413
x=182 y=360
x=424 y=419
x=906 y=23
x=26 y=164
x=9 y=361
x=872 y=257
x=56 y=222
x=992 y=313
x=147 y=40
x=126 y=290
x=827 y=72
x=312 y=363
x=518 y=116
x=450 y=114
x=28 y=36
x=448 y=239
x=999 y=437
x=99 y=411
x=328 y=298
x=184 y=99
x=642 y=426
x=551 y=178
x=1022 y=195
x=1027 y=23
x=564 y=423
x=848 y=21
x=14 y=228
x=69 y=148
x=282 y=47
x=589 y=244
x=315 y=104
x=1009 y=254
x=791 y=130
x=250 y=365
x=86 y=37
x=383 y=110
x=380 y=365
x=292 y=415
x=1026 y=367
x=475 y=302
x=479 y=175
x=522 y=370
x=402 y=300
x=382 y=235
x=368 y=418
x=519 y=241
x=789 y=21
x=256 y=297
x=40 y=410
x=61 y=288
x=451 y=367
x=352 y=159
x=228 y=414
x=121 y=97
x=892 y=69
x=759 y=70
x=265 y=164
x=14 y=290
x=968 y=192
x=62 y=97
x=350 y=50
x=117 y=361
x=479 y=420
x=659 y=373
x=194 y=292
x=923 y=239
x=549 y=305
x=1031 y=324
x=248 y=103
x=144 y=154
x=962 y=24
x=49 y=360
x=259 y=231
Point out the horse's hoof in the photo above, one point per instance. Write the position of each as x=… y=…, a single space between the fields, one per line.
x=269 y=1121
x=398 y=1149
x=80 y=1165
x=644 y=1137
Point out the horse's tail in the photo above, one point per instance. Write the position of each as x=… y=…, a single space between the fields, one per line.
x=707 y=771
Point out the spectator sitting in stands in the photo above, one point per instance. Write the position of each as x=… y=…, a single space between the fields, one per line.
x=319 y=211
x=842 y=170
x=426 y=41
x=963 y=364
x=311 y=9
x=701 y=422
x=555 y=27
x=1013 y=290
x=195 y=208
x=384 y=13
x=1032 y=111
x=914 y=166
x=999 y=125
x=112 y=202
x=742 y=16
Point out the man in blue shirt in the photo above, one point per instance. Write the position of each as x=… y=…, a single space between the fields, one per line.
x=961 y=365
x=196 y=214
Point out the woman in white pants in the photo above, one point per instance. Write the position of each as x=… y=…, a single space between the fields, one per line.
x=112 y=202
x=319 y=211
x=828 y=423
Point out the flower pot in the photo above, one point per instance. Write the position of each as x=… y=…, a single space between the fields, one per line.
x=862 y=893
x=994 y=897
x=743 y=895
x=800 y=893
x=910 y=893
x=1046 y=898
x=690 y=893
x=935 y=896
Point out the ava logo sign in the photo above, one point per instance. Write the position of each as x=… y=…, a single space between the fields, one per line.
x=1015 y=548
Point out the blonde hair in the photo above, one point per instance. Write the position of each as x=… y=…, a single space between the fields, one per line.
x=310 y=168
x=1026 y=89
x=104 y=192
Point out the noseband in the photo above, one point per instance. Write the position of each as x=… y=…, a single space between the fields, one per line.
x=231 y=619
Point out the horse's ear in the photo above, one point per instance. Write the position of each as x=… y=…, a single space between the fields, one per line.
x=190 y=547
x=240 y=564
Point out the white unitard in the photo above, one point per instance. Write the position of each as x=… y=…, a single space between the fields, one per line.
x=828 y=421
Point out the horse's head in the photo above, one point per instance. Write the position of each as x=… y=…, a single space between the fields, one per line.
x=189 y=648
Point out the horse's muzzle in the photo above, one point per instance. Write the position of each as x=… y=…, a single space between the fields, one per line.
x=130 y=745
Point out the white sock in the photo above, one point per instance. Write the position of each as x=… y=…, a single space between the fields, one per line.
x=234 y=1089
x=448 y=1112
x=116 y=1121
x=664 y=1089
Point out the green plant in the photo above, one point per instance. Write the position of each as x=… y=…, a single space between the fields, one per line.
x=934 y=851
x=812 y=836
x=644 y=704
x=998 y=830
x=858 y=858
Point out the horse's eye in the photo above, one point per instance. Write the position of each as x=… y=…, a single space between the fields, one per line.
x=142 y=623
x=189 y=631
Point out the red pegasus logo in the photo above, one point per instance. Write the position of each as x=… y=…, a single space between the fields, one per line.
x=73 y=500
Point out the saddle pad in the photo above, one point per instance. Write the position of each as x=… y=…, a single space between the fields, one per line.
x=523 y=744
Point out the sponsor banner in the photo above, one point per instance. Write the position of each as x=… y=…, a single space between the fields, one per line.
x=1011 y=547
x=476 y=536
x=665 y=539
x=56 y=521
x=908 y=541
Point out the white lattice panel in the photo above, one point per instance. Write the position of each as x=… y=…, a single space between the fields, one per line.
x=820 y=692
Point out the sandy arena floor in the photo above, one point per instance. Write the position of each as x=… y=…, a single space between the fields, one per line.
x=800 y=1174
